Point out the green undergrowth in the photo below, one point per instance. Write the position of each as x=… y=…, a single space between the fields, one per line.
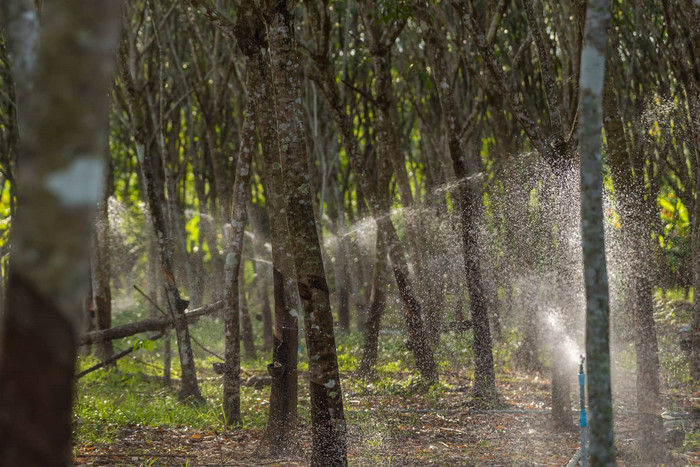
x=132 y=392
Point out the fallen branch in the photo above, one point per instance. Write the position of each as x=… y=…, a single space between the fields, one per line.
x=148 y=324
x=116 y=357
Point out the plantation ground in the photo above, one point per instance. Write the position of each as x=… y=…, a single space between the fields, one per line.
x=126 y=417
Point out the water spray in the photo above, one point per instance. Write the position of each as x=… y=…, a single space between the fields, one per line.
x=582 y=419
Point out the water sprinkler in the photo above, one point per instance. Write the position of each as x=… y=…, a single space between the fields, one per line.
x=582 y=419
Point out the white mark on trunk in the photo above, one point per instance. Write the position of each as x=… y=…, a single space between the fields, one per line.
x=592 y=69
x=330 y=384
x=80 y=184
x=140 y=152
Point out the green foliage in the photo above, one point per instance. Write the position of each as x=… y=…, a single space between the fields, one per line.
x=674 y=238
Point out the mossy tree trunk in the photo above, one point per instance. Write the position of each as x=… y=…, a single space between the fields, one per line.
x=327 y=416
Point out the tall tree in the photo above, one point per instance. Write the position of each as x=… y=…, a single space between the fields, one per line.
x=60 y=182
x=378 y=204
x=468 y=206
x=636 y=202
x=148 y=164
x=327 y=416
x=602 y=447
x=101 y=269
x=234 y=239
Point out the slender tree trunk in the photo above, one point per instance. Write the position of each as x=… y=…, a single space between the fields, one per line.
x=377 y=305
x=602 y=448
x=380 y=43
x=468 y=204
x=246 y=325
x=234 y=239
x=637 y=230
x=102 y=271
x=66 y=115
x=327 y=417
x=176 y=306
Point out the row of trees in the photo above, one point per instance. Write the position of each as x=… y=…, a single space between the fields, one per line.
x=463 y=114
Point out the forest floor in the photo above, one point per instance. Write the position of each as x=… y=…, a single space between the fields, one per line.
x=126 y=417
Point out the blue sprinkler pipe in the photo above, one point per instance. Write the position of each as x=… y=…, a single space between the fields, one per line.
x=582 y=420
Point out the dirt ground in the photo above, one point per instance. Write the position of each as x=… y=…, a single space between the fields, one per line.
x=410 y=428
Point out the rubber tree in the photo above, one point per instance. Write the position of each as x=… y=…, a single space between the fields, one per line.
x=602 y=447
x=176 y=306
x=467 y=201
x=636 y=204
x=280 y=438
x=234 y=243
x=327 y=416
x=60 y=179
x=379 y=206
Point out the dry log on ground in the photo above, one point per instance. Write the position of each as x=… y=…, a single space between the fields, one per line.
x=145 y=325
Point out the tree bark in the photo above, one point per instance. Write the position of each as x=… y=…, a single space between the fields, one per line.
x=327 y=417
x=602 y=448
x=246 y=325
x=377 y=305
x=102 y=291
x=60 y=181
x=280 y=437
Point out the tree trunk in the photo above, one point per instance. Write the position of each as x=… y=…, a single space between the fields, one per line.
x=377 y=305
x=389 y=146
x=327 y=417
x=280 y=436
x=246 y=324
x=263 y=271
x=380 y=208
x=602 y=448
x=635 y=213
x=468 y=203
x=176 y=306
x=234 y=240
x=66 y=115
x=102 y=271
